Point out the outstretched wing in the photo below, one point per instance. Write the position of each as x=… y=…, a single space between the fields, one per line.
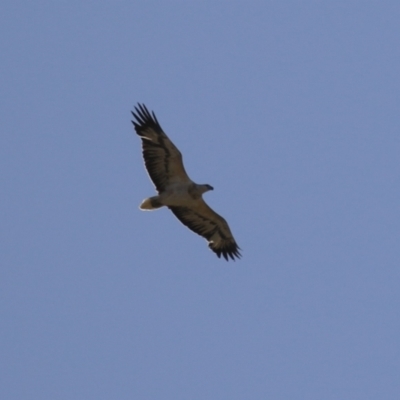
x=202 y=220
x=162 y=158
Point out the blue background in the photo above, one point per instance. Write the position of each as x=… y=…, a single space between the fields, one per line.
x=291 y=110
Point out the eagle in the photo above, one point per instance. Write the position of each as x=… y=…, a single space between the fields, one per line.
x=176 y=190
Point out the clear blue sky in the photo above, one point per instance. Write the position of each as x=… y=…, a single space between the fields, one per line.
x=291 y=110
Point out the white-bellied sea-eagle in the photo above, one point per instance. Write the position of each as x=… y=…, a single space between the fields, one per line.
x=176 y=190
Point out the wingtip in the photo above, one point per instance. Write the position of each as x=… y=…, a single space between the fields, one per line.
x=143 y=118
x=228 y=253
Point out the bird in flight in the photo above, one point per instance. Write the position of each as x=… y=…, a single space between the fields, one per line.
x=176 y=190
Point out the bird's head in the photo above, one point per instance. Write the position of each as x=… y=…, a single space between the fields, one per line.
x=205 y=188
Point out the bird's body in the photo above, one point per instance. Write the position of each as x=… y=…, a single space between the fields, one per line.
x=177 y=194
x=176 y=190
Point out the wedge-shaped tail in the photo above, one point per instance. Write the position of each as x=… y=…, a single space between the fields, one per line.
x=152 y=203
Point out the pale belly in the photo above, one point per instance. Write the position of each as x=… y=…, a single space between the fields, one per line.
x=177 y=196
